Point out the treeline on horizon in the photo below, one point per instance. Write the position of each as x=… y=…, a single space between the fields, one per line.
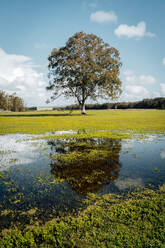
x=11 y=102
x=14 y=103
x=156 y=103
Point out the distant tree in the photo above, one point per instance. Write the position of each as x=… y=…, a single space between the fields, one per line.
x=85 y=67
x=18 y=104
x=3 y=100
x=11 y=102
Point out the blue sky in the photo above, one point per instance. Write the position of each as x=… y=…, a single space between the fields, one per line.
x=30 y=29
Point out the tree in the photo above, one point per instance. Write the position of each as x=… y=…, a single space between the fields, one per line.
x=17 y=103
x=11 y=102
x=3 y=100
x=85 y=67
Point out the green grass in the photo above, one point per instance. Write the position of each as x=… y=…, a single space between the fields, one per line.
x=136 y=221
x=123 y=121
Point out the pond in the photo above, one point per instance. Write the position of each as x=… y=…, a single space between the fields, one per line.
x=40 y=179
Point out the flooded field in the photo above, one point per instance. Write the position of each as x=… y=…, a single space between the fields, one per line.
x=40 y=178
x=88 y=186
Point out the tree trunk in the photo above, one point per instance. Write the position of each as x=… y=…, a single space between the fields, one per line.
x=83 y=112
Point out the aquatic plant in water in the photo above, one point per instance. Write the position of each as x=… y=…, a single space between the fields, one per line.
x=86 y=164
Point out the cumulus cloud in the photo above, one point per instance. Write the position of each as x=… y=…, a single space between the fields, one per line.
x=137 y=90
x=134 y=93
x=18 y=74
x=138 y=31
x=130 y=77
x=147 y=79
x=102 y=16
x=162 y=87
x=163 y=61
x=138 y=87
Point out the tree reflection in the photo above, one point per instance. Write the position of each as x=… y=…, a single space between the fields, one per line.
x=86 y=164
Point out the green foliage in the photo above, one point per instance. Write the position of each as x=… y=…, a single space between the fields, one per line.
x=156 y=103
x=85 y=67
x=11 y=102
x=111 y=221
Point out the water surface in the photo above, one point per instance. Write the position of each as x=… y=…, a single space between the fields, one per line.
x=40 y=179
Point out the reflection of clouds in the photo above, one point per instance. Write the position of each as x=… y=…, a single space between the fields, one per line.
x=125 y=183
x=127 y=145
x=131 y=144
x=65 y=132
x=162 y=154
x=21 y=149
x=15 y=148
x=148 y=138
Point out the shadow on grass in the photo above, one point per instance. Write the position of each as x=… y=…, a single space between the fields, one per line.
x=38 y=115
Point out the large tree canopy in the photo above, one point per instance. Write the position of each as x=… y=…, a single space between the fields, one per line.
x=85 y=67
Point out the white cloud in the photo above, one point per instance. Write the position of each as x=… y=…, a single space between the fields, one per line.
x=18 y=74
x=102 y=16
x=138 y=87
x=131 y=78
x=138 y=31
x=155 y=94
x=162 y=87
x=163 y=61
x=147 y=79
x=137 y=90
x=128 y=72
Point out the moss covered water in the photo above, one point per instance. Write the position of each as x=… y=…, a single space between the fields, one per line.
x=53 y=178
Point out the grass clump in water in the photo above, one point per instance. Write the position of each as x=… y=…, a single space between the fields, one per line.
x=86 y=164
x=136 y=221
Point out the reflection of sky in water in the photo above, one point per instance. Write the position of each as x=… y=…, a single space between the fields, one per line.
x=162 y=154
x=19 y=149
x=141 y=163
x=128 y=182
x=138 y=158
x=22 y=148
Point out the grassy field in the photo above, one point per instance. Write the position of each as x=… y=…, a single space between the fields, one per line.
x=123 y=121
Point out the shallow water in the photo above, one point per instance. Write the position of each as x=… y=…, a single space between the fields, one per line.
x=49 y=178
